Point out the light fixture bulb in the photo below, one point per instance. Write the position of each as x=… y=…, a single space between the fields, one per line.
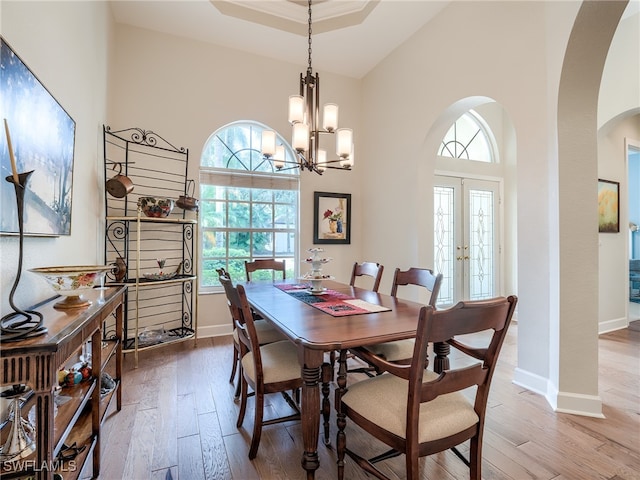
x=268 y=143
x=349 y=161
x=344 y=142
x=300 y=140
x=330 y=117
x=278 y=158
x=296 y=109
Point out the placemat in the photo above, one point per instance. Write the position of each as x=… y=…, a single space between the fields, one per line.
x=334 y=303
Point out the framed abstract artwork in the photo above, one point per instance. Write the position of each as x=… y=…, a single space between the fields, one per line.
x=43 y=139
x=332 y=218
x=608 y=206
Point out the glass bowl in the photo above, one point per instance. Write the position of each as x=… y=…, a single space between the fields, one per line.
x=72 y=281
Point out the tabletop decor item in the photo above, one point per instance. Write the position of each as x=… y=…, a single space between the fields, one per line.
x=156 y=207
x=315 y=276
x=19 y=443
x=72 y=281
x=19 y=324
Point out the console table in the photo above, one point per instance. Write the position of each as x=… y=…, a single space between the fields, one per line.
x=35 y=362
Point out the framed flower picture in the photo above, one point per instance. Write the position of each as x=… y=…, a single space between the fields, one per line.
x=332 y=218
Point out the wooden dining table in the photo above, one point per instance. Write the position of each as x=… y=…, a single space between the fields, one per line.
x=315 y=332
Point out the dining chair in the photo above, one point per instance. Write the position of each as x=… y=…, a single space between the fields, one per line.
x=367 y=269
x=266 y=369
x=265 y=264
x=418 y=412
x=401 y=351
x=364 y=269
x=266 y=334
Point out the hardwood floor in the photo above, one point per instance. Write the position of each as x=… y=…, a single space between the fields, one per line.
x=178 y=421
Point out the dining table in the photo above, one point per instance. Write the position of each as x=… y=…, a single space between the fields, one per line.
x=291 y=307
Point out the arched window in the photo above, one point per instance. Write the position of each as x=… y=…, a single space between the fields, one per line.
x=470 y=138
x=248 y=208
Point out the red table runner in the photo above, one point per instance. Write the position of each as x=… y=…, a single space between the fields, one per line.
x=329 y=301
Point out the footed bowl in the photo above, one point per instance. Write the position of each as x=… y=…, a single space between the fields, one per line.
x=72 y=281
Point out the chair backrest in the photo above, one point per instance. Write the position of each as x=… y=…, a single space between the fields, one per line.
x=492 y=316
x=265 y=264
x=369 y=269
x=422 y=277
x=243 y=320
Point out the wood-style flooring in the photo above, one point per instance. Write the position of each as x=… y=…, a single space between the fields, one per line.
x=178 y=421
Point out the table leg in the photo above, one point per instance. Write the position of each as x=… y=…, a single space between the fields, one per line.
x=311 y=411
x=340 y=417
x=327 y=376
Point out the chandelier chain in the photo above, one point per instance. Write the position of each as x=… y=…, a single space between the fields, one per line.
x=309 y=69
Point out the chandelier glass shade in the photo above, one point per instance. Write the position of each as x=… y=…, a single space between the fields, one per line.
x=304 y=117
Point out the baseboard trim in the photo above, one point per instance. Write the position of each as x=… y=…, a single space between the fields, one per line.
x=561 y=402
x=530 y=381
x=579 y=404
x=214 y=331
x=612 y=325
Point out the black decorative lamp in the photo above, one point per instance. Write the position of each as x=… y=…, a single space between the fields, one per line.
x=19 y=324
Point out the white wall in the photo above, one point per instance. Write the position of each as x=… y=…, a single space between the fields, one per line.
x=512 y=52
x=185 y=90
x=613 y=256
x=618 y=118
x=66 y=45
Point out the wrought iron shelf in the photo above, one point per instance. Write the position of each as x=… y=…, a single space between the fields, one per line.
x=139 y=243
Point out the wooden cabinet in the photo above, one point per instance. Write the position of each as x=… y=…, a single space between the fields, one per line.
x=35 y=362
x=160 y=309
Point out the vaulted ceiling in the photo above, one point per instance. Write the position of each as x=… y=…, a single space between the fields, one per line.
x=349 y=37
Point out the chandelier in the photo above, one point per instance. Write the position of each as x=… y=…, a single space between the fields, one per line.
x=304 y=116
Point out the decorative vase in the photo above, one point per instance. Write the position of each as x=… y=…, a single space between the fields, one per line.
x=339 y=226
x=333 y=226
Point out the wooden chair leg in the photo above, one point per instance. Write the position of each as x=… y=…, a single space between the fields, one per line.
x=236 y=394
x=243 y=400
x=475 y=458
x=236 y=361
x=257 y=425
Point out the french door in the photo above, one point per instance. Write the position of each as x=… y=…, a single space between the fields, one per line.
x=466 y=238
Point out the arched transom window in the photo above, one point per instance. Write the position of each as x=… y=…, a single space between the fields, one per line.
x=469 y=138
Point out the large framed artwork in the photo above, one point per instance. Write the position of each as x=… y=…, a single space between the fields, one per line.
x=332 y=218
x=43 y=139
x=608 y=206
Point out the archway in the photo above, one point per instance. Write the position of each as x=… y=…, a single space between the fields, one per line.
x=574 y=331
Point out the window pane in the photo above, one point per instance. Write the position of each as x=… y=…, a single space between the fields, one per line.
x=238 y=215
x=262 y=215
x=443 y=241
x=213 y=214
x=285 y=243
x=239 y=244
x=262 y=244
